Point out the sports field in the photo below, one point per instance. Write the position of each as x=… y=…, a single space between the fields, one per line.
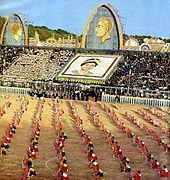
x=46 y=162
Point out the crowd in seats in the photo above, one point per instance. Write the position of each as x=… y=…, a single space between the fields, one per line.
x=27 y=162
x=164 y=109
x=8 y=55
x=145 y=71
x=35 y=64
x=62 y=169
x=94 y=166
x=1 y=66
x=125 y=164
x=136 y=140
x=144 y=74
x=61 y=57
x=11 y=129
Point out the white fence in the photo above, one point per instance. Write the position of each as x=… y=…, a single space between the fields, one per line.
x=13 y=90
x=137 y=100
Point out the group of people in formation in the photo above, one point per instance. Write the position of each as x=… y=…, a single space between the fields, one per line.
x=147 y=117
x=163 y=116
x=62 y=169
x=159 y=114
x=31 y=154
x=148 y=131
x=125 y=164
x=11 y=129
x=94 y=166
x=6 y=139
x=4 y=107
x=162 y=169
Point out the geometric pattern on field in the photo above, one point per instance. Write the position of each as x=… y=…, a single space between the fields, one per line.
x=45 y=164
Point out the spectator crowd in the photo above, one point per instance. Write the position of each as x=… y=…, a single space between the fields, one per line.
x=143 y=74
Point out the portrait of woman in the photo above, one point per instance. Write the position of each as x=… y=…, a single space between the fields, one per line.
x=86 y=66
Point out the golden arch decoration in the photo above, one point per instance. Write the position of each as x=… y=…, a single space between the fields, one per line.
x=119 y=27
x=23 y=25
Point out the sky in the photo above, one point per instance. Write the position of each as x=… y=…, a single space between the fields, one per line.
x=138 y=17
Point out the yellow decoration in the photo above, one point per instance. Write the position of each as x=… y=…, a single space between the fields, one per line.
x=16 y=30
x=104 y=28
x=12 y=29
x=83 y=42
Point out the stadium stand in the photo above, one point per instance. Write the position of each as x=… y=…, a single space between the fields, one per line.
x=140 y=74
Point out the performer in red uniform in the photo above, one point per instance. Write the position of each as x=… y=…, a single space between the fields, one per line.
x=136 y=175
x=164 y=171
x=155 y=164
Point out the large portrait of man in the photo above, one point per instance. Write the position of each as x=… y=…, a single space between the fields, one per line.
x=104 y=29
x=16 y=30
x=85 y=66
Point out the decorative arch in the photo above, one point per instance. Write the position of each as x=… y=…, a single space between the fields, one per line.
x=23 y=25
x=115 y=17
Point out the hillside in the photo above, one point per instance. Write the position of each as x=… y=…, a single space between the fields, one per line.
x=46 y=33
x=43 y=31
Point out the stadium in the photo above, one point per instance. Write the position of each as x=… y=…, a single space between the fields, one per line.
x=82 y=108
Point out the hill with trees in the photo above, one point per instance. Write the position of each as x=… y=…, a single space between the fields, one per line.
x=45 y=33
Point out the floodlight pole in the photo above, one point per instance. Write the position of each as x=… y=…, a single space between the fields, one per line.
x=129 y=81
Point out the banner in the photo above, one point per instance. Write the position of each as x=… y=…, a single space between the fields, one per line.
x=89 y=68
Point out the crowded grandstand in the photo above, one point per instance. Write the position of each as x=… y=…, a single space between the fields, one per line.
x=140 y=74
